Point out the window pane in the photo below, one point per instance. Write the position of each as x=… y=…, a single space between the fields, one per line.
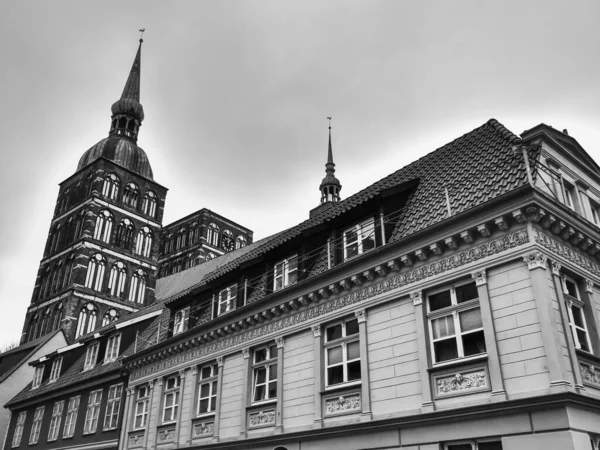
x=460 y=447
x=571 y=288
x=582 y=336
x=445 y=350
x=261 y=375
x=439 y=300
x=204 y=390
x=466 y=292
x=368 y=242
x=213 y=403
x=490 y=445
x=273 y=352
x=335 y=375
x=443 y=327
x=470 y=319
x=273 y=372
x=353 y=349
x=354 y=371
x=350 y=235
x=259 y=393
x=203 y=405
x=352 y=327
x=273 y=389
x=206 y=372
x=334 y=332
x=334 y=355
x=260 y=355
x=577 y=316
x=292 y=277
x=352 y=250
x=473 y=343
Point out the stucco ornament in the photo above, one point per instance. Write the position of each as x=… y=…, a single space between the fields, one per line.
x=590 y=374
x=136 y=440
x=535 y=260
x=341 y=404
x=166 y=435
x=480 y=277
x=203 y=429
x=461 y=382
x=262 y=418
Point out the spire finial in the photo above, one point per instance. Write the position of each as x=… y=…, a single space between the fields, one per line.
x=329 y=118
x=142 y=35
x=330 y=186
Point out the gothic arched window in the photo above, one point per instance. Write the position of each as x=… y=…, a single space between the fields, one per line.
x=193 y=233
x=143 y=244
x=53 y=239
x=104 y=223
x=240 y=242
x=131 y=195
x=56 y=277
x=57 y=316
x=64 y=201
x=87 y=319
x=32 y=327
x=137 y=289
x=95 y=272
x=117 y=278
x=110 y=316
x=124 y=237
x=46 y=322
x=66 y=279
x=79 y=225
x=212 y=235
x=149 y=204
x=45 y=280
x=110 y=188
x=180 y=242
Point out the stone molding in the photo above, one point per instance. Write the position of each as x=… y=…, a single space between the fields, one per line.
x=361 y=315
x=536 y=260
x=316 y=329
x=589 y=286
x=463 y=382
x=423 y=272
x=556 y=266
x=261 y=418
x=342 y=404
x=417 y=297
x=590 y=374
x=569 y=254
x=480 y=277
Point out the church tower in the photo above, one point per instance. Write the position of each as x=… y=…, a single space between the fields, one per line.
x=100 y=260
x=330 y=186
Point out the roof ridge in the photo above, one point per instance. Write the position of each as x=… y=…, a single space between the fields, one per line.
x=504 y=132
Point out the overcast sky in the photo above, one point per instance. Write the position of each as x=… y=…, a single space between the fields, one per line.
x=236 y=95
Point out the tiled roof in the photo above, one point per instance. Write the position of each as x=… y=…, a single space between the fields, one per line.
x=30 y=347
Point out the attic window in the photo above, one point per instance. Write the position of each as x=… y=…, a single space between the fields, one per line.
x=181 y=320
x=91 y=356
x=112 y=348
x=55 y=371
x=359 y=239
x=37 y=377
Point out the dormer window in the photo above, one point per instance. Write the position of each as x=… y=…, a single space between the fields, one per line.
x=576 y=315
x=55 y=371
x=359 y=239
x=37 y=377
x=181 y=320
x=227 y=299
x=285 y=272
x=112 y=348
x=91 y=356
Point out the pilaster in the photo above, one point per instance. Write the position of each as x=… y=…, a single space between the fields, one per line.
x=427 y=404
x=318 y=345
x=219 y=396
x=245 y=382
x=279 y=405
x=365 y=396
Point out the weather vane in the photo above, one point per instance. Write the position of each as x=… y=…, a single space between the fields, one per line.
x=142 y=36
x=329 y=118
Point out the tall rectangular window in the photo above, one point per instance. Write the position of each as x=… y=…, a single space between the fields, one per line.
x=55 y=371
x=91 y=356
x=575 y=313
x=181 y=320
x=207 y=389
x=93 y=410
x=455 y=325
x=227 y=299
x=112 y=348
x=141 y=408
x=342 y=353
x=285 y=272
x=264 y=369
x=18 y=434
x=171 y=399
x=36 y=425
x=57 y=411
x=37 y=376
x=359 y=239
x=113 y=405
x=71 y=418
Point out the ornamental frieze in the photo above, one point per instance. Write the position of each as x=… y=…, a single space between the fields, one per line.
x=135 y=439
x=261 y=418
x=590 y=374
x=560 y=249
x=428 y=270
x=203 y=429
x=342 y=404
x=165 y=435
x=461 y=383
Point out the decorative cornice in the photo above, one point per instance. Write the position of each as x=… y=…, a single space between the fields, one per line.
x=480 y=277
x=565 y=252
x=360 y=294
x=536 y=260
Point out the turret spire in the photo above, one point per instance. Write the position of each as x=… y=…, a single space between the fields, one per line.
x=330 y=186
x=127 y=112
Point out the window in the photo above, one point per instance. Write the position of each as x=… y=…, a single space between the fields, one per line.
x=110 y=316
x=143 y=245
x=359 y=239
x=95 y=272
x=149 y=204
x=104 y=224
x=474 y=445
x=569 y=195
x=93 y=409
x=455 y=325
x=117 y=278
x=67 y=272
x=16 y=441
x=55 y=371
x=37 y=377
x=171 y=399
x=594 y=210
x=87 y=319
x=34 y=436
x=207 y=389
x=212 y=235
x=71 y=417
x=226 y=299
x=193 y=233
x=112 y=348
x=137 y=289
x=180 y=241
x=575 y=314
x=181 y=320
x=91 y=356
x=240 y=242
x=124 y=237
x=264 y=370
x=110 y=188
x=56 y=319
x=57 y=411
x=141 y=408
x=113 y=405
x=45 y=322
x=131 y=194
x=286 y=272
x=342 y=353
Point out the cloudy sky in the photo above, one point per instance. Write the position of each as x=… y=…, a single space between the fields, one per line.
x=236 y=95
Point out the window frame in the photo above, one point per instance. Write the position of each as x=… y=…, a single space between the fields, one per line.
x=266 y=364
x=230 y=299
x=55 y=420
x=92 y=412
x=181 y=320
x=36 y=425
x=343 y=343
x=212 y=380
x=112 y=348
x=38 y=375
x=141 y=400
x=55 y=370
x=71 y=417
x=575 y=301
x=474 y=443
x=359 y=228
x=113 y=406
x=175 y=392
x=286 y=269
x=91 y=356
x=19 y=427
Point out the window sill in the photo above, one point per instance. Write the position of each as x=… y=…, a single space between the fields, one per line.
x=458 y=362
x=341 y=387
x=262 y=403
x=587 y=355
x=205 y=415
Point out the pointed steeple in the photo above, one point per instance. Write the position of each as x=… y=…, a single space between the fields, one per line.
x=127 y=112
x=330 y=186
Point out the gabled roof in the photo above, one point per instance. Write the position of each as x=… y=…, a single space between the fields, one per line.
x=29 y=348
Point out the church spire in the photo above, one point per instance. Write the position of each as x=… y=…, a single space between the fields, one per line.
x=330 y=186
x=127 y=112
